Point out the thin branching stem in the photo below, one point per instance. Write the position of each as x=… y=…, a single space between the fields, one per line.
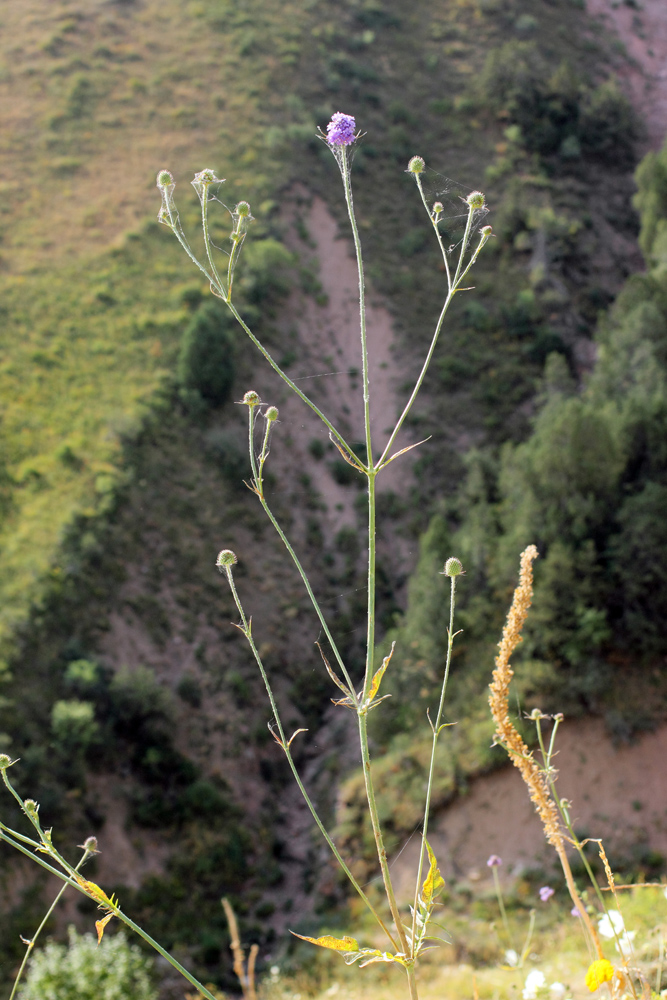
x=434 y=223
x=246 y=628
x=258 y=473
x=436 y=727
x=117 y=913
x=203 y=197
x=33 y=941
x=453 y=284
x=302 y=396
x=565 y=816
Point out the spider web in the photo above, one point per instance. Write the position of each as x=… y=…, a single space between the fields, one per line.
x=452 y=196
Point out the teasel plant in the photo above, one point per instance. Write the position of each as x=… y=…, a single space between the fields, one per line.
x=408 y=934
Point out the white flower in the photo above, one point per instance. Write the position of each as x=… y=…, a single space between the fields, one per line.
x=611 y=924
x=535 y=982
x=511 y=957
x=624 y=943
x=557 y=991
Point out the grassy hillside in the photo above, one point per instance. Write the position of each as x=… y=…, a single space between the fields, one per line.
x=118 y=484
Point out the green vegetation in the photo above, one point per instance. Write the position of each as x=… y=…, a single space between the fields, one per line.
x=587 y=487
x=112 y=970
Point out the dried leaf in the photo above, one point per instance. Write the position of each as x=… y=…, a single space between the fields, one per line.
x=295 y=733
x=379 y=674
x=433 y=881
x=345 y=454
x=403 y=451
x=332 y=674
x=335 y=944
x=101 y=924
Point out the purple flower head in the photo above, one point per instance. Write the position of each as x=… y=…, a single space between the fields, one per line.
x=341 y=129
x=574 y=912
x=546 y=892
x=494 y=861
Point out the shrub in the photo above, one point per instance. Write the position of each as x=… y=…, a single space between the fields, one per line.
x=73 y=722
x=205 y=361
x=84 y=970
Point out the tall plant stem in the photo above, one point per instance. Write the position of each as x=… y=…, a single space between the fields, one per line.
x=347 y=184
x=436 y=727
x=371 y=474
x=377 y=832
x=285 y=744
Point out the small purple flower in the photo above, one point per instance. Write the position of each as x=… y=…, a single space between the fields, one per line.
x=341 y=130
x=574 y=912
x=494 y=861
x=546 y=892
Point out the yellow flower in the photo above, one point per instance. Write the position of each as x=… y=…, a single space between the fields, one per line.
x=598 y=973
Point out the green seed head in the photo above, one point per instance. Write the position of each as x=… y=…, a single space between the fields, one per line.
x=90 y=845
x=416 y=165
x=486 y=231
x=475 y=199
x=453 y=567
x=5 y=761
x=251 y=398
x=271 y=414
x=31 y=808
x=165 y=179
x=438 y=208
x=243 y=209
x=225 y=558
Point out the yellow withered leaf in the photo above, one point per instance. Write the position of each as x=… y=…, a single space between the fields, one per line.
x=379 y=674
x=101 y=924
x=335 y=944
x=433 y=881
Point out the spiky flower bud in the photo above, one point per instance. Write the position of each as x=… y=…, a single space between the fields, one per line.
x=31 y=808
x=5 y=761
x=453 y=567
x=438 y=208
x=271 y=414
x=89 y=845
x=486 y=231
x=251 y=398
x=243 y=209
x=165 y=179
x=416 y=165
x=226 y=558
x=475 y=199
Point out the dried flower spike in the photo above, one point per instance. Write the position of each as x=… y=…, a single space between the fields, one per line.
x=341 y=130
